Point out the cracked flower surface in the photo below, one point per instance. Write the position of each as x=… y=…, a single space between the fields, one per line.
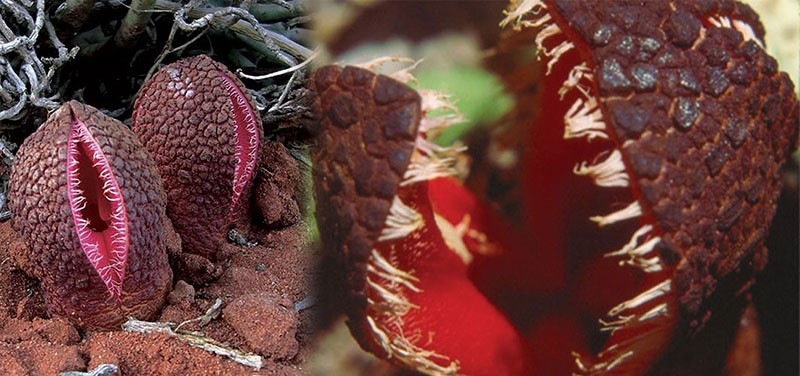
x=87 y=200
x=197 y=120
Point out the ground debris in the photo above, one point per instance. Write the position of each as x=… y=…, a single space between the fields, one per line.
x=25 y=71
x=195 y=339
x=101 y=370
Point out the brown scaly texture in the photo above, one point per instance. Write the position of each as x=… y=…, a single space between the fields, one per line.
x=42 y=217
x=184 y=118
x=365 y=137
x=704 y=124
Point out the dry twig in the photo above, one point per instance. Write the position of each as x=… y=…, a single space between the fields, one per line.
x=101 y=370
x=191 y=17
x=24 y=75
x=195 y=339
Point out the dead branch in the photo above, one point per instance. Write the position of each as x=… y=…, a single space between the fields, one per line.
x=101 y=370
x=276 y=12
x=195 y=339
x=24 y=75
x=247 y=25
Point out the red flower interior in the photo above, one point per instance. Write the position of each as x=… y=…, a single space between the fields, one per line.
x=245 y=127
x=98 y=208
x=415 y=284
x=647 y=162
x=582 y=230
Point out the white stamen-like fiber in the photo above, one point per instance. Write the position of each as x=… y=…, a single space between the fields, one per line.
x=556 y=54
x=720 y=21
x=613 y=325
x=435 y=100
x=401 y=221
x=631 y=211
x=429 y=124
x=432 y=101
x=584 y=119
x=649 y=265
x=548 y=31
x=608 y=173
x=637 y=251
x=391 y=306
x=747 y=31
x=396 y=304
x=621 y=321
x=573 y=81
x=659 y=310
x=519 y=10
x=384 y=269
x=541 y=19
x=403 y=75
x=545 y=18
x=431 y=161
x=619 y=360
x=406 y=352
x=633 y=243
x=647 y=296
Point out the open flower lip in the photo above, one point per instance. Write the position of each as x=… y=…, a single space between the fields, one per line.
x=248 y=139
x=98 y=208
x=686 y=123
x=695 y=121
x=405 y=267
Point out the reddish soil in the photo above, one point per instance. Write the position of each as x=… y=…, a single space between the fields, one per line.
x=258 y=286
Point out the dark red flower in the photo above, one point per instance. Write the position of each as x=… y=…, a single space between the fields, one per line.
x=87 y=200
x=197 y=120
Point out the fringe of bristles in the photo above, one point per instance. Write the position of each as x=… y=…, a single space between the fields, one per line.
x=584 y=119
x=113 y=273
x=429 y=161
x=388 y=284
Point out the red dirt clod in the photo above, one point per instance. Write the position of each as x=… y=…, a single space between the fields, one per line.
x=57 y=330
x=182 y=295
x=202 y=128
x=268 y=324
x=88 y=202
x=275 y=191
x=27 y=358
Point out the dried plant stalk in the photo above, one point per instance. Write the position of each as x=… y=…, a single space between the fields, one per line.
x=134 y=23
